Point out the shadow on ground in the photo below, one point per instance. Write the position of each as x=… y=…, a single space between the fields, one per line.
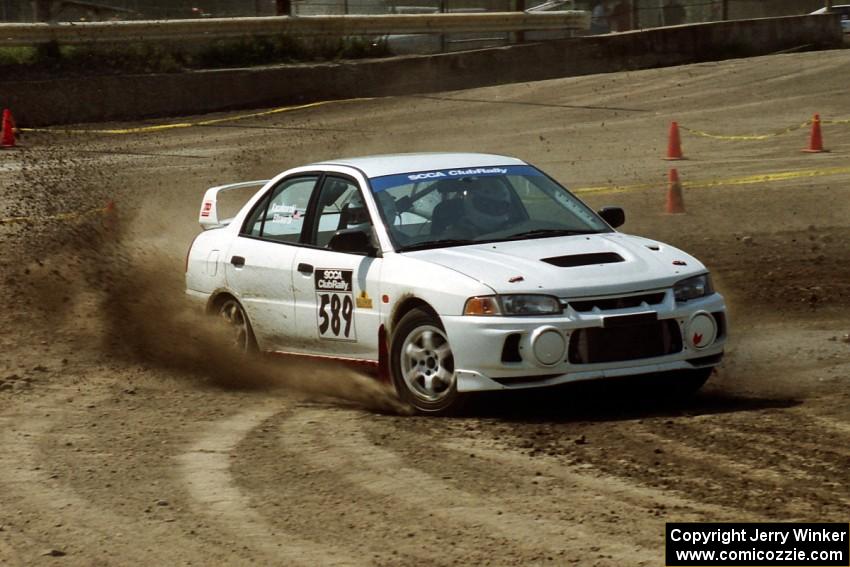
x=613 y=400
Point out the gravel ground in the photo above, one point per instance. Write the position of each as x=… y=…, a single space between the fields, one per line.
x=127 y=437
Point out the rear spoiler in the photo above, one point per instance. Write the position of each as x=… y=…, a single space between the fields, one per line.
x=208 y=216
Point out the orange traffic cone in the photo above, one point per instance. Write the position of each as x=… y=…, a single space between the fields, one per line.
x=675 y=202
x=7 y=137
x=674 y=143
x=816 y=138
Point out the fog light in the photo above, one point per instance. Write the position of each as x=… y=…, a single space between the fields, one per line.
x=701 y=330
x=549 y=345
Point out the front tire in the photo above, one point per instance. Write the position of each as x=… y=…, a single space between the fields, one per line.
x=422 y=365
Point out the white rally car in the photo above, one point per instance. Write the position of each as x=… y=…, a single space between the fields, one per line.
x=449 y=274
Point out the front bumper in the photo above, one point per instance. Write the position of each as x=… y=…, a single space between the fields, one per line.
x=544 y=351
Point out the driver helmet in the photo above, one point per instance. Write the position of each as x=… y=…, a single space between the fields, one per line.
x=487 y=205
x=355 y=213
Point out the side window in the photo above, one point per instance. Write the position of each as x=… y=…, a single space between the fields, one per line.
x=340 y=205
x=254 y=224
x=280 y=214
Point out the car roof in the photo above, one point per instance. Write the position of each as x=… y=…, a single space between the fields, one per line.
x=392 y=164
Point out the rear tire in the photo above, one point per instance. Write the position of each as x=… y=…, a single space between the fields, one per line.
x=231 y=313
x=422 y=365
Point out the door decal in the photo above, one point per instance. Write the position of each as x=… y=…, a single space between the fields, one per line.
x=364 y=301
x=335 y=299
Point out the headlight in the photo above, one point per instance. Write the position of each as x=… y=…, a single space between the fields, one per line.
x=530 y=304
x=486 y=305
x=692 y=288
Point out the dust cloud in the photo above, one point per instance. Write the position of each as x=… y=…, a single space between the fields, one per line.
x=125 y=299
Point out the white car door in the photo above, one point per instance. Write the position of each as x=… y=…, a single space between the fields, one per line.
x=260 y=261
x=337 y=306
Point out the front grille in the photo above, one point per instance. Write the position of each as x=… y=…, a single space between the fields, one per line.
x=617 y=302
x=633 y=342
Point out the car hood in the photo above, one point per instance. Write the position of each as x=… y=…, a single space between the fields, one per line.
x=590 y=265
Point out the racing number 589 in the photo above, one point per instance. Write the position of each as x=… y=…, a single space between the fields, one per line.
x=335 y=315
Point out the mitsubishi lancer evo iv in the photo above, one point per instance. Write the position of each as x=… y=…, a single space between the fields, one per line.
x=449 y=274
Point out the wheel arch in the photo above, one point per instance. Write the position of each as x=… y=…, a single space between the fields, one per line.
x=405 y=306
x=217 y=299
x=447 y=400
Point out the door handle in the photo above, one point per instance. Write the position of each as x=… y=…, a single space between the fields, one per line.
x=237 y=261
x=305 y=268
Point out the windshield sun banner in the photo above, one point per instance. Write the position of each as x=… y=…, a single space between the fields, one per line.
x=389 y=181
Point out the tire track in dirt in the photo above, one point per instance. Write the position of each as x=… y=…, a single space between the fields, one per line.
x=792 y=454
x=800 y=445
x=716 y=461
x=347 y=449
x=301 y=494
x=696 y=459
x=576 y=492
x=206 y=470
x=693 y=458
x=24 y=470
x=587 y=485
x=833 y=424
x=726 y=477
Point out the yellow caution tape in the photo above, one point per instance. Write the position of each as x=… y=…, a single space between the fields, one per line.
x=176 y=125
x=769 y=177
x=60 y=216
x=750 y=137
x=728 y=182
x=759 y=136
x=172 y=126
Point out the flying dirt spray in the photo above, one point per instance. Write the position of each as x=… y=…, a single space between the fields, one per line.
x=100 y=279
x=148 y=320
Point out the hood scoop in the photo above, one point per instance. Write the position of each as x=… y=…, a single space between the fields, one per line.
x=576 y=260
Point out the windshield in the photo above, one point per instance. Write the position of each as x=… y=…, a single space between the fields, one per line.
x=451 y=207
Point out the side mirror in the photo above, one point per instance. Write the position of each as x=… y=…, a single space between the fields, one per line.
x=615 y=216
x=352 y=241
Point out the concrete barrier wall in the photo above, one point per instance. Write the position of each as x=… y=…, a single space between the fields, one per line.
x=120 y=97
x=772 y=8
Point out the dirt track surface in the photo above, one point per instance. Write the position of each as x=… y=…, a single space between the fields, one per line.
x=126 y=438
